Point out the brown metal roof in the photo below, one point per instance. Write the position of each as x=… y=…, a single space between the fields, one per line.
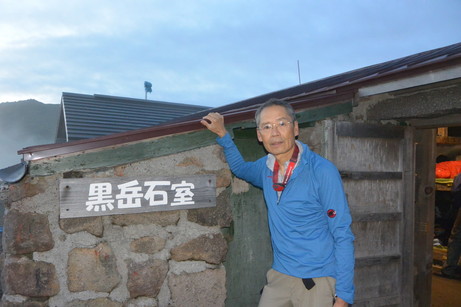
x=334 y=89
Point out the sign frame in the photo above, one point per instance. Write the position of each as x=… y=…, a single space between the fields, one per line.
x=90 y=197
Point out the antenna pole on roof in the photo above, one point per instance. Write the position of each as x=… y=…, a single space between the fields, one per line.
x=299 y=74
x=147 y=87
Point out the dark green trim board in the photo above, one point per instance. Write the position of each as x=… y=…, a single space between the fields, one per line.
x=312 y=115
x=124 y=154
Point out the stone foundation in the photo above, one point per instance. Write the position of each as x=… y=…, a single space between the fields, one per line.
x=171 y=258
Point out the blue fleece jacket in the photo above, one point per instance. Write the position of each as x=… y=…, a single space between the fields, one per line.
x=309 y=222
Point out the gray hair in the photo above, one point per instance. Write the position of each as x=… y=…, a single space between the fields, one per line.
x=275 y=102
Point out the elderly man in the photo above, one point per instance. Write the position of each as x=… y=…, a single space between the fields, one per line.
x=308 y=214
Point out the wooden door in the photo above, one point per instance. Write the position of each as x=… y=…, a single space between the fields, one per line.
x=376 y=164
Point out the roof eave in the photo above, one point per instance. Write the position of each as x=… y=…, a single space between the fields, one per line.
x=52 y=150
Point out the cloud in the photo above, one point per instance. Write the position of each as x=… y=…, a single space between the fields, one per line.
x=204 y=52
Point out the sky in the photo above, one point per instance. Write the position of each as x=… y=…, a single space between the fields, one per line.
x=205 y=52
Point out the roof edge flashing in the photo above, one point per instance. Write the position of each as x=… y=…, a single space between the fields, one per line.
x=430 y=77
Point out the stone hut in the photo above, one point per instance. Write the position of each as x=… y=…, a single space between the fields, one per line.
x=377 y=124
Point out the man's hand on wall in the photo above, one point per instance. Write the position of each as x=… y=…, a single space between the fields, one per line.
x=215 y=123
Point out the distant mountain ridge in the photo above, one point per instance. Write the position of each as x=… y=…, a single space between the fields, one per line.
x=25 y=123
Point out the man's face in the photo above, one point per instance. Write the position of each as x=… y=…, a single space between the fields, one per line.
x=279 y=141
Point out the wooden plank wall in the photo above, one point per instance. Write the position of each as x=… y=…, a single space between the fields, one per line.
x=372 y=160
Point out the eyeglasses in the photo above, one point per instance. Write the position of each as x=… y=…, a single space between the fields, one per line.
x=283 y=124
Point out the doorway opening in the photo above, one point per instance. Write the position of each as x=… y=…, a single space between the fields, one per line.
x=445 y=291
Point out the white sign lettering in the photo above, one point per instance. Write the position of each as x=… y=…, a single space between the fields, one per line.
x=100 y=197
x=93 y=197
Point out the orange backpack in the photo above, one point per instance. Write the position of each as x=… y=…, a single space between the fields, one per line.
x=447 y=169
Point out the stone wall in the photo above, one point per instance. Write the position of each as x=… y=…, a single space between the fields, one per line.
x=171 y=258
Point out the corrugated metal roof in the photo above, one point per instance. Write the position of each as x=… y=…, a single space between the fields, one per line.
x=334 y=89
x=89 y=116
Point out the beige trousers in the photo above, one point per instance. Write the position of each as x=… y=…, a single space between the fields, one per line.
x=288 y=291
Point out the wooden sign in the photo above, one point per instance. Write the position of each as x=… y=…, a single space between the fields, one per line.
x=86 y=197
